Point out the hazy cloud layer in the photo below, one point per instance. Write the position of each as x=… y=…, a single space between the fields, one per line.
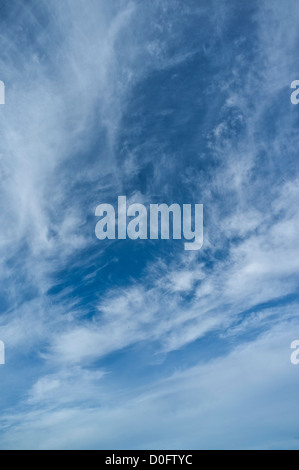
x=161 y=102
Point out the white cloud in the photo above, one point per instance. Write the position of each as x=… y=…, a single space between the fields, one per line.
x=47 y=134
x=210 y=406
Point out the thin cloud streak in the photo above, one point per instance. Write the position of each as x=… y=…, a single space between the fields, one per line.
x=100 y=103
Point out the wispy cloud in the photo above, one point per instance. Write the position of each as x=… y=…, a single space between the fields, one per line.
x=207 y=406
x=158 y=102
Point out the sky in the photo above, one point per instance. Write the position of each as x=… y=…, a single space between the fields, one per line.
x=139 y=344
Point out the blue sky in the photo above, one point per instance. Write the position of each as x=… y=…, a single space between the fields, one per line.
x=139 y=344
